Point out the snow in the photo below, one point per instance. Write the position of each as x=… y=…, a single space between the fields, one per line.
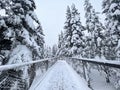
x=39 y=74
x=60 y=77
x=2 y=12
x=34 y=16
x=98 y=81
x=29 y=40
x=20 y=54
x=8 y=33
x=29 y=21
x=98 y=41
x=14 y=86
x=117 y=12
x=112 y=6
x=17 y=20
x=28 y=2
x=118 y=46
x=2 y=23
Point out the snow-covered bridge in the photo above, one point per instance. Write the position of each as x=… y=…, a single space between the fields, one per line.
x=60 y=77
x=60 y=74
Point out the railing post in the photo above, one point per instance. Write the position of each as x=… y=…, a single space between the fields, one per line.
x=84 y=71
x=47 y=65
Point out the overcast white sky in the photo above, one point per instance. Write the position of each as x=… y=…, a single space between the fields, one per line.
x=51 y=14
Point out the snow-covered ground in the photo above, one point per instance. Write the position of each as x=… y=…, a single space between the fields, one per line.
x=98 y=81
x=60 y=77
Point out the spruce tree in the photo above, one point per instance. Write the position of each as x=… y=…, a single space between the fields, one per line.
x=73 y=35
x=65 y=37
x=67 y=27
x=54 y=50
x=47 y=52
x=22 y=34
x=95 y=29
x=60 y=44
x=111 y=10
x=77 y=32
x=89 y=17
x=98 y=34
x=90 y=28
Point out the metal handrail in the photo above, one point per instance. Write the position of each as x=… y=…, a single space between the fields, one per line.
x=12 y=66
x=110 y=63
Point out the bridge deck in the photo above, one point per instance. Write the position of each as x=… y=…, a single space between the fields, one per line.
x=60 y=77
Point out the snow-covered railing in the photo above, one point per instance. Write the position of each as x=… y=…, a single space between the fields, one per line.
x=10 y=74
x=12 y=66
x=84 y=67
x=110 y=63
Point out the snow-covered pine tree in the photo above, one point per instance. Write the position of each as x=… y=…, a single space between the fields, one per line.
x=64 y=39
x=47 y=52
x=88 y=15
x=54 y=50
x=60 y=51
x=39 y=38
x=90 y=28
x=111 y=10
x=77 y=32
x=73 y=33
x=95 y=29
x=60 y=39
x=67 y=32
x=98 y=34
x=4 y=43
x=26 y=39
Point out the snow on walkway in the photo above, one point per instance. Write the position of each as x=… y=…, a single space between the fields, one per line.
x=61 y=77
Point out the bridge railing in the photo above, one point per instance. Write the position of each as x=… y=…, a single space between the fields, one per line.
x=84 y=67
x=12 y=66
x=10 y=74
x=110 y=63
